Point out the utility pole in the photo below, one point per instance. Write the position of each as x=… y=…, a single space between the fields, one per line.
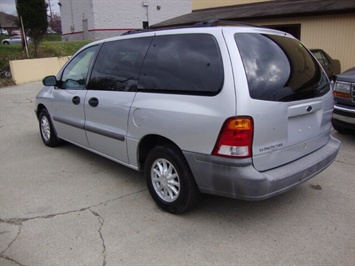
x=50 y=12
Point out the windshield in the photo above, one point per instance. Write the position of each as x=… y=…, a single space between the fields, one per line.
x=280 y=68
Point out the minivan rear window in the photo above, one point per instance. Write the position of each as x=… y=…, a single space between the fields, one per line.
x=183 y=64
x=280 y=68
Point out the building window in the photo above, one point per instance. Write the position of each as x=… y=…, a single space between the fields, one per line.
x=145 y=24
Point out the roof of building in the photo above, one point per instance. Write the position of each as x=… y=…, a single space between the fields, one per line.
x=261 y=10
x=7 y=21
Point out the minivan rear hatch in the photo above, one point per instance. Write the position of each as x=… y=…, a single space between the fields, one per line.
x=289 y=98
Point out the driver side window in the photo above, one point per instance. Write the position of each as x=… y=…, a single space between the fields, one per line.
x=75 y=73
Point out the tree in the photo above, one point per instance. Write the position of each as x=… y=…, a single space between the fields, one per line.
x=34 y=17
x=55 y=23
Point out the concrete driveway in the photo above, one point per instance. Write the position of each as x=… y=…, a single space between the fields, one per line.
x=67 y=206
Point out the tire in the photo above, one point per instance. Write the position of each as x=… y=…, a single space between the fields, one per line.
x=6 y=43
x=46 y=130
x=7 y=74
x=169 y=179
x=339 y=128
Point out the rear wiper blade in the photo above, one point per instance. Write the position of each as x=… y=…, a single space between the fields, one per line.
x=320 y=89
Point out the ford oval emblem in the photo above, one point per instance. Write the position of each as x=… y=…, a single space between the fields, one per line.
x=309 y=108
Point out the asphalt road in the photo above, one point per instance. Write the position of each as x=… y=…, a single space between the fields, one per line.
x=67 y=206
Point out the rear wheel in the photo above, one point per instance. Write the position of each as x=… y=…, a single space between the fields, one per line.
x=46 y=129
x=169 y=179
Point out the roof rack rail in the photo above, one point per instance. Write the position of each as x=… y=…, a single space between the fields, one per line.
x=205 y=23
x=221 y=22
x=136 y=31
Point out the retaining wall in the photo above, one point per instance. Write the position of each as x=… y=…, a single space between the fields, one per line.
x=30 y=70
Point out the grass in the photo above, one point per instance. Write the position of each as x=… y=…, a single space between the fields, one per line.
x=51 y=46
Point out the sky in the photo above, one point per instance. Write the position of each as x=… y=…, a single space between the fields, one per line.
x=9 y=6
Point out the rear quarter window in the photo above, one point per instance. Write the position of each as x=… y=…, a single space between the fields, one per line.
x=183 y=64
x=280 y=68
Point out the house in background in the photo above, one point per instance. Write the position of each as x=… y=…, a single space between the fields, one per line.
x=98 y=19
x=8 y=22
x=324 y=24
x=203 y=4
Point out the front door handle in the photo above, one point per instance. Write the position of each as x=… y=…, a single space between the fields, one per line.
x=93 y=102
x=76 y=100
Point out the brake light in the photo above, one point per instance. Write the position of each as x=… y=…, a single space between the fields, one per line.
x=235 y=139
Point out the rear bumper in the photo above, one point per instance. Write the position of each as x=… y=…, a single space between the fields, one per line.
x=344 y=116
x=239 y=179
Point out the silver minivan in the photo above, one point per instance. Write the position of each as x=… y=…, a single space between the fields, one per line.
x=237 y=111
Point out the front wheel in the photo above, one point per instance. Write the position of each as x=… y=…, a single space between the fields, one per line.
x=46 y=130
x=169 y=179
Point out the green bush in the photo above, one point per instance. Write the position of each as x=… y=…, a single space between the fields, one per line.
x=52 y=38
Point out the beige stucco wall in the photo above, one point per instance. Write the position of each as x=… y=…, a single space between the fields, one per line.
x=333 y=33
x=30 y=70
x=201 y=4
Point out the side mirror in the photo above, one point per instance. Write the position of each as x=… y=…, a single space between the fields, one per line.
x=50 y=81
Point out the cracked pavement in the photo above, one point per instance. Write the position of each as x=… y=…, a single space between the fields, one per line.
x=67 y=206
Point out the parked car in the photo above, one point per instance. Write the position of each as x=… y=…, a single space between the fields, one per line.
x=331 y=66
x=50 y=31
x=15 y=32
x=3 y=32
x=244 y=112
x=344 y=102
x=13 y=40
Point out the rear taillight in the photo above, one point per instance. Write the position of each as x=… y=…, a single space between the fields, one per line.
x=235 y=139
